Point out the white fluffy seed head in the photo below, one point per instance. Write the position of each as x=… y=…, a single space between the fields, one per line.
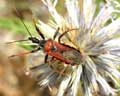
x=98 y=50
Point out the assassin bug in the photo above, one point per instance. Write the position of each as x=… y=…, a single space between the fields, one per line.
x=50 y=46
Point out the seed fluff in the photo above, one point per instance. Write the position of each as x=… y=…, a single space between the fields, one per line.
x=96 y=69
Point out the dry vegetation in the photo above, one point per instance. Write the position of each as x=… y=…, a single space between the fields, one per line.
x=13 y=81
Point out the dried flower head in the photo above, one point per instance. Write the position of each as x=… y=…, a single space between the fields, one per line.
x=97 y=54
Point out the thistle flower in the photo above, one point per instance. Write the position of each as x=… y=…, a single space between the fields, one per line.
x=98 y=56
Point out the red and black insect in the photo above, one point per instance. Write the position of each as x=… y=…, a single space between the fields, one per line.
x=49 y=46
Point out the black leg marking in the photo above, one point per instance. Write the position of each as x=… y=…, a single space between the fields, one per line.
x=45 y=60
x=37 y=29
x=56 y=33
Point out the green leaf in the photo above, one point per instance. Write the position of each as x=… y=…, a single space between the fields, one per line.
x=16 y=26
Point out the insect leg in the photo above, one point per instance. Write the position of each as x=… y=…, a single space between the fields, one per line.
x=37 y=29
x=22 y=54
x=45 y=60
x=59 y=39
x=55 y=35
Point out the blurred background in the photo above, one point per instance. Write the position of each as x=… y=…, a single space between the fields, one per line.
x=13 y=81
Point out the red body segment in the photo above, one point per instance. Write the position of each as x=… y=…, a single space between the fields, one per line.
x=58 y=52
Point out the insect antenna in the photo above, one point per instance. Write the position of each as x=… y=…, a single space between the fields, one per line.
x=19 y=16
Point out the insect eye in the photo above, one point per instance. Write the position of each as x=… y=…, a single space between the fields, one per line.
x=53 y=48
